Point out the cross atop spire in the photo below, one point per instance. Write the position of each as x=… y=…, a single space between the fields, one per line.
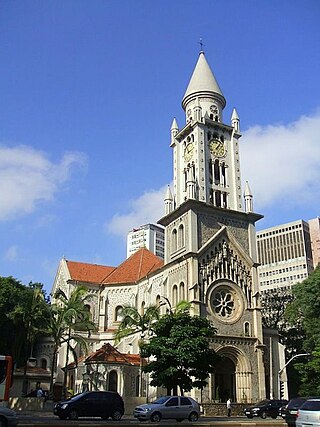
x=201 y=44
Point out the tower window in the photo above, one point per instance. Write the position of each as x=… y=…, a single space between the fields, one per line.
x=218 y=199
x=216 y=172
x=181 y=236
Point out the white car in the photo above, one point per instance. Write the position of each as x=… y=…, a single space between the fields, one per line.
x=309 y=414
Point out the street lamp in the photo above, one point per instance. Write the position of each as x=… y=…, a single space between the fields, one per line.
x=282 y=377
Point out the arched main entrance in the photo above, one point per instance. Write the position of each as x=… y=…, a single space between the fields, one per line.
x=224 y=382
x=233 y=376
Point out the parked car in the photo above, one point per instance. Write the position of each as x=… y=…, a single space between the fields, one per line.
x=309 y=414
x=102 y=404
x=265 y=408
x=289 y=411
x=8 y=418
x=166 y=407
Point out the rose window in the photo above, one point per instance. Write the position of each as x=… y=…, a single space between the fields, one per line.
x=223 y=303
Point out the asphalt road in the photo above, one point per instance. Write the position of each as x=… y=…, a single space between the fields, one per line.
x=47 y=419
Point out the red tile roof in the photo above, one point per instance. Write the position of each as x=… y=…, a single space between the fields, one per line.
x=89 y=273
x=108 y=354
x=137 y=266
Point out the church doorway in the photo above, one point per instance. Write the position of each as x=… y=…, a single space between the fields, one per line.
x=224 y=381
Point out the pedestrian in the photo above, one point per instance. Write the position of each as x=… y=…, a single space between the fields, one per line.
x=39 y=392
x=229 y=407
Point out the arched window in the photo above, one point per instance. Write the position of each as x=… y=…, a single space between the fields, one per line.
x=158 y=300
x=106 y=314
x=216 y=172
x=182 y=295
x=113 y=381
x=43 y=364
x=142 y=308
x=118 y=313
x=181 y=236
x=246 y=327
x=174 y=295
x=174 y=240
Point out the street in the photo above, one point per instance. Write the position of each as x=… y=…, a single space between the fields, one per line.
x=46 y=419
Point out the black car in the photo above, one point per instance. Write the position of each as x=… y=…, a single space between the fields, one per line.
x=289 y=411
x=265 y=408
x=102 y=404
x=8 y=418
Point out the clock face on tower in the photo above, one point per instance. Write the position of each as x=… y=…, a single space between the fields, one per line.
x=217 y=148
x=188 y=152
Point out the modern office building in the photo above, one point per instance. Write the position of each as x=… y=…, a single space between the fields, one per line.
x=148 y=236
x=285 y=255
x=314 y=227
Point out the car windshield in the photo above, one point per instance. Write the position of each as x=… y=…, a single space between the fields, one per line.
x=296 y=403
x=161 y=400
x=76 y=396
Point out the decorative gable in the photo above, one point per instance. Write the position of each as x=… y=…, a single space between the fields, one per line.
x=222 y=258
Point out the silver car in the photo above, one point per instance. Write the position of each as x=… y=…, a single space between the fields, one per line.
x=176 y=407
x=309 y=414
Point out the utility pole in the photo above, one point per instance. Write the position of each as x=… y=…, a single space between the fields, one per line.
x=282 y=371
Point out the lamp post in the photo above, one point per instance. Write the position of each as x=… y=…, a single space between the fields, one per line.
x=282 y=370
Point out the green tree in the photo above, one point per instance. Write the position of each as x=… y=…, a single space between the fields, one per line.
x=22 y=315
x=274 y=304
x=69 y=323
x=310 y=374
x=304 y=310
x=181 y=351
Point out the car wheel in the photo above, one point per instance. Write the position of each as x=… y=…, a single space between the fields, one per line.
x=155 y=417
x=116 y=415
x=62 y=417
x=263 y=415
x=3 y=422
x=193 y=417
x=73 y=414
x=249 y=416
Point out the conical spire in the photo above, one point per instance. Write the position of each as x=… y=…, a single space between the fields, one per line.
x=235 y=115
x=202 y=82
x=248 y=198
x=174 y=125
x=168 y=201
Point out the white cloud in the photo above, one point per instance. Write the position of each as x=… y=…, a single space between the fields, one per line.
x=11 y=253
x=146 y=209
x=282 y=162
x=27 y=177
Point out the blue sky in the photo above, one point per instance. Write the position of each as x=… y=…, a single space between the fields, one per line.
x=88 y=93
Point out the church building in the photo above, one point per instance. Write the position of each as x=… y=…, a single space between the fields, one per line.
x=210 y=260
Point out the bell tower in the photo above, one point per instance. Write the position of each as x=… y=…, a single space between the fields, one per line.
x=205 y=150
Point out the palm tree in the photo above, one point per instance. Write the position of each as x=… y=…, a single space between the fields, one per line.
x=69 y=320
x=135 y=323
